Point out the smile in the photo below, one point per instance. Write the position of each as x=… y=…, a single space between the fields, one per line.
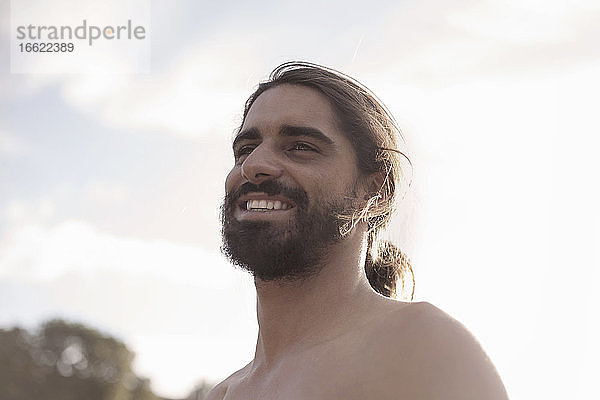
x=262 y=202
x=261 y=205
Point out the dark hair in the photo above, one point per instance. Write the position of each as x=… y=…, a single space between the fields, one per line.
x=374 y=134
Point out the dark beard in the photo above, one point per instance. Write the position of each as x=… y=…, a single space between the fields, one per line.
x=281 y=251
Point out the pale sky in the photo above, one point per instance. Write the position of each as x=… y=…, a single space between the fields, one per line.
x=110 y=183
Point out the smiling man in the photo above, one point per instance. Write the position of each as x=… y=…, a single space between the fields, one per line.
x=317 y=169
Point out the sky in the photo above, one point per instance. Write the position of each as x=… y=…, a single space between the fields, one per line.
x=110 y=183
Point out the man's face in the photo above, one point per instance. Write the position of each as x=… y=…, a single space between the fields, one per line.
x=294 y=173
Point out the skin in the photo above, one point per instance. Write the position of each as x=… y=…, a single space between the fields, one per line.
x=332 y=336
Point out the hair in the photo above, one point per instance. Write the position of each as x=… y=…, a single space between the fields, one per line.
x=374 y=135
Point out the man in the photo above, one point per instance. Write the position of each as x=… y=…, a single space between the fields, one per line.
x=315 y=176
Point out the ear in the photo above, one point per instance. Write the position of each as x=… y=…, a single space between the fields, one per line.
x=370 y=186
x=374 y=184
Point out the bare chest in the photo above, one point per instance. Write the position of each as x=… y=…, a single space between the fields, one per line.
x=343 y=370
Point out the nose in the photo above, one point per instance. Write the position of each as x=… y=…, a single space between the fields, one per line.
x=261 y=165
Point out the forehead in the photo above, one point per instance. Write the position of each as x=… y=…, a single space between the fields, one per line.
x=292 y=105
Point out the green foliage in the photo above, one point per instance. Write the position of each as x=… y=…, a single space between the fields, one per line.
x=68 y=362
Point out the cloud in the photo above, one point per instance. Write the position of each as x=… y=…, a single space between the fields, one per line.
x=37 y=252
x=197 y=92
x=199 y=96
x=173 y=304
x=528 y=22
x=12 y=146
x=18 y=212
x=438 y=44
x=106 y=194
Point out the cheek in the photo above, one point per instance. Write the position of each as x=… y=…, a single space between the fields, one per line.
x=233 y=179
x=343 y=189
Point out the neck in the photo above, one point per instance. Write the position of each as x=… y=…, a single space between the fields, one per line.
x=294 y=315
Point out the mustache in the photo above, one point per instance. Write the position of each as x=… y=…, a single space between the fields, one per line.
x=271 y=188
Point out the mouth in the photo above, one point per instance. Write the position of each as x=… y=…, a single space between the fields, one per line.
x=261 y=203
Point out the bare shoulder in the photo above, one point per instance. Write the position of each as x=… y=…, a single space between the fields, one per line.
x=219 y=391
x=436 y=356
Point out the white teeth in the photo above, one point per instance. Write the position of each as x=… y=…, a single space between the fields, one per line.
x=266 y=205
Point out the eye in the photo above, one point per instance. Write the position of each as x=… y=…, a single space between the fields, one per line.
x=301 y=146
x=244 y=150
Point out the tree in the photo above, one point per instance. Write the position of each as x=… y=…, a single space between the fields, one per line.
x=67 y=361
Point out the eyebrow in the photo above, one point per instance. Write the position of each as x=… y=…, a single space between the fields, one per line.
x=313 y=133
x=286 y=131
x=248 y=134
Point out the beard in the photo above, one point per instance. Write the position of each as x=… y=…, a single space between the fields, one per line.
x=285 y=251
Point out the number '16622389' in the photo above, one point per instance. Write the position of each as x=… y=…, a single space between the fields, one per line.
x=46 y=47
